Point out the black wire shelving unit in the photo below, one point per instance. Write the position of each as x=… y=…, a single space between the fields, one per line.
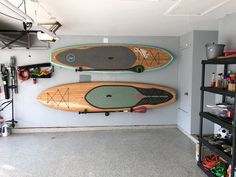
x=228 y=124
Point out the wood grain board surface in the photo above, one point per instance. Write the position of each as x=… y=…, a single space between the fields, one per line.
x=112 y=57
x=106 y=96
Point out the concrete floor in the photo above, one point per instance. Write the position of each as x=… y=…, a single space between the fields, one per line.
x=117 y=153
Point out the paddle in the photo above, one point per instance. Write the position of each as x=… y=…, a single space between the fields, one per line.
x=137 y=69
x=141 y=109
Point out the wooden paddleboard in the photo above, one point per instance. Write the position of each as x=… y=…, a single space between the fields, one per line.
x=112 y=58
x=106 y=96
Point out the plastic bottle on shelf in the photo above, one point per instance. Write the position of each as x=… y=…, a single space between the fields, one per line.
x=231 y=85
x=224 y=82
x=219 y=80
x=213 y=81
x=227 y=79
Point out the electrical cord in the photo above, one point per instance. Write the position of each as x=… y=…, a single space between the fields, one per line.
x=5 y=104
x=24 y=74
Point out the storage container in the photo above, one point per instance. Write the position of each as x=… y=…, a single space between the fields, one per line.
x=214 y=50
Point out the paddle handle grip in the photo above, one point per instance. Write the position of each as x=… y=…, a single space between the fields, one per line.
x=5 y=86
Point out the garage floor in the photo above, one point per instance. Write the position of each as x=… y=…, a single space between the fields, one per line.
x=117 y=153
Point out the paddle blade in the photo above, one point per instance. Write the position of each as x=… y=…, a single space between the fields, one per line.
x=142 y=109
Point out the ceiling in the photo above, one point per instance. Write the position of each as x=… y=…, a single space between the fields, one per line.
x=130 y=17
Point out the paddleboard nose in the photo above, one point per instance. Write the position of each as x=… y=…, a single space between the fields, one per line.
x=41 y=97
x=57 y=98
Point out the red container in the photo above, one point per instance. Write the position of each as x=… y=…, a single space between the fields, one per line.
x=230 y=114
x=229 y=52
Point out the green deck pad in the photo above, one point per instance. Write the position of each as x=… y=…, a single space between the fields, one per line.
x=102 y=57
x=113 y=97
x=108 y=97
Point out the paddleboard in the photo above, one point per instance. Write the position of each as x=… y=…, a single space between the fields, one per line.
x=107 y=97
x=112 y=58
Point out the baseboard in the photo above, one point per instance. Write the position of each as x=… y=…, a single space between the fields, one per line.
x=96 y=128
x=92 y=128
x=188 y=135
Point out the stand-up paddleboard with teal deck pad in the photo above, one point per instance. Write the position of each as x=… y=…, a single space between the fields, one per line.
x=112 y=58
x=107 y=97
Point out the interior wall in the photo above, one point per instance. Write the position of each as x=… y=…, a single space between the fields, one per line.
x=201 y=38
x=192 y=52
x=184 y=82
x=227 y=36
x=227 y=31
x=31 y=113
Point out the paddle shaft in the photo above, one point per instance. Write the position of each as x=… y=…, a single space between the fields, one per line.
x=107 y=113
x=133 y=69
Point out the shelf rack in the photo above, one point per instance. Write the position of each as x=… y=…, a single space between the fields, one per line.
x=207 y=172
x=218 y=120
x=228 y=124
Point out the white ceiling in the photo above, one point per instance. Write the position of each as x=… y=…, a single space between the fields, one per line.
x=130 y=17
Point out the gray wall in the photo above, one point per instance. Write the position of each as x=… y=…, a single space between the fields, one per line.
x=227 y=31
x=184 y=82
x=199 y=53
x=30 y=113
x=192 y=52
x=227 y=35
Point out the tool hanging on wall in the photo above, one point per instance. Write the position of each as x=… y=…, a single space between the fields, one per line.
x=5 y=80
x=10 y=85
x=35 y=71
x=13 y=74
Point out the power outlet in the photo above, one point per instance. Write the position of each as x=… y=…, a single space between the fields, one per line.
x=105 y=40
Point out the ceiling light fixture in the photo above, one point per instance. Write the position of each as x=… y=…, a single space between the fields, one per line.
x=215 y=7
x=180 y=6
x=172 y=7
